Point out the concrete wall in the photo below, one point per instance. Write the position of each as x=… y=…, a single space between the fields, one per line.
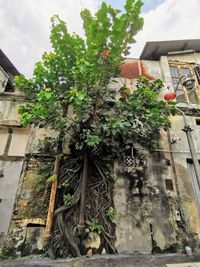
x=155 y=207
x=9 y=110
x=13 y=141
x=171 y=210
x=9 y=179
x=189 y=58
x=185 y=176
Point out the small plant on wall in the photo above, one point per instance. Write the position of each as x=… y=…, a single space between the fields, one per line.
x=70 y=92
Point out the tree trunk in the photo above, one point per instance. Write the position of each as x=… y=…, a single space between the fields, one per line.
x=81 y=223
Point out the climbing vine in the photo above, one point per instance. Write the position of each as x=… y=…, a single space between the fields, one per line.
x=73 y=91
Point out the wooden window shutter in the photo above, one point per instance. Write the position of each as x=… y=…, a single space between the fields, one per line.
x=197 y=72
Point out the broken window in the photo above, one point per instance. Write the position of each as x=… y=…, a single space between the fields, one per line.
x=9 y=87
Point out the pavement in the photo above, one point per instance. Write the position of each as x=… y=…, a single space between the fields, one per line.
x=189 y=264
x=120 y=260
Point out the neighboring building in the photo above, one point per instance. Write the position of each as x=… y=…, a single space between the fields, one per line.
x=171 y=197
x=17 y=149
x=157 y=201
x=12 y=146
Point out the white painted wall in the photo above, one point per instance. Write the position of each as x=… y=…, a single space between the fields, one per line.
x=10 y=172
x=3 y=139
x=18 y=142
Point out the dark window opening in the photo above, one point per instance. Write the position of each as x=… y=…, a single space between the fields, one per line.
x=197 y=121
x=9 y=87
x=35 y=225
x=169 y=184
x=190 y=161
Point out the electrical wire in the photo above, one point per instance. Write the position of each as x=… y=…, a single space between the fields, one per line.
x=81 y=3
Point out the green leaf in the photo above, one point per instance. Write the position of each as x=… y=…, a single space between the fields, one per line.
x=52 y=179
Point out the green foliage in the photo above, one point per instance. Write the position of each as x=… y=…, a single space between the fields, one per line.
x=79 y=72
x=113 y=175
x=65 y=184
x=95 y=227
x=52 y=179
x=111 y=214
x=68 y=199
x=48 y=145
x=45 y=170
x=7 y=253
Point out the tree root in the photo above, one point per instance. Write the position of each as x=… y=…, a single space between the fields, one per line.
x=66 y=241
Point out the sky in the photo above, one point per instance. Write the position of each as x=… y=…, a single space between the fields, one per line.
x=25 y=25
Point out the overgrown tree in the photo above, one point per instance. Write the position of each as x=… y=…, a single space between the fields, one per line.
x=73 y=91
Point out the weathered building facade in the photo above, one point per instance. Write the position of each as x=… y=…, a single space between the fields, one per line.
x=157 y=195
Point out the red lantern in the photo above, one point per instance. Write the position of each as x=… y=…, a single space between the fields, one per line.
x=169 y=96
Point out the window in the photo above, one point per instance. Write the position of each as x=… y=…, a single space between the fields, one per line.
x=175 y=75
x=169 y=184
x=176 y=72
x=9 y=87
x=198 y=122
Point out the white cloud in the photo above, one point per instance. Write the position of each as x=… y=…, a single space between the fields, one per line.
x=171 y=20
x=25 y=27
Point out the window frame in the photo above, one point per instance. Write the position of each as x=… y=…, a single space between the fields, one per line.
x=186 y=93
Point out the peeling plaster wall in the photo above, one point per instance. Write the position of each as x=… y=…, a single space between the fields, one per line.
x=133 y=68
x=135 y=213
x=31 y=205
x=9 y=179
x=181 y=154
x=172 y=211
x=8 y=112
x=3 y=138
x=36 y=136
x=14 y=143
x=189 y=58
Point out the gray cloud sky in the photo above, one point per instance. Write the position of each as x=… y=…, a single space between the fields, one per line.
x=25 y=25
x=171 y=20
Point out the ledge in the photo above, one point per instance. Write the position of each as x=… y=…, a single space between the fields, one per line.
x=12 y=96
x=189 y=109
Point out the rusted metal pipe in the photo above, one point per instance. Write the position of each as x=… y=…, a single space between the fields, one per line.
x=47 y=231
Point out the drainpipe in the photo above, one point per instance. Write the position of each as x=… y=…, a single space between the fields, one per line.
x=49 y=222
x=187 y=129
x=176 y=178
